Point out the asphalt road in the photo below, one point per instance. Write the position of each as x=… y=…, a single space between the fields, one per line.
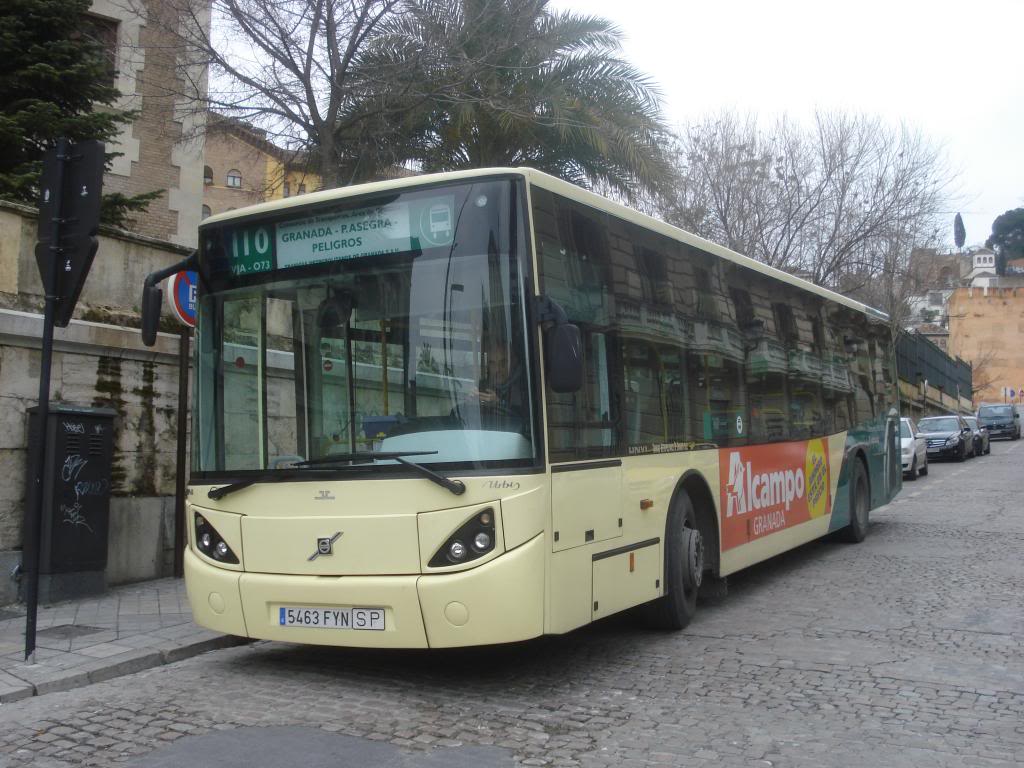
x=905 y=650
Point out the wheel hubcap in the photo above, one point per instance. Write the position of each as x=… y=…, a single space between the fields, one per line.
x=693 y=550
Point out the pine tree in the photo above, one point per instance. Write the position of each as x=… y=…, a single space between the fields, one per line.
x=56 y=80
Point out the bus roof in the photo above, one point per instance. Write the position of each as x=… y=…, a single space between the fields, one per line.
x=558 y=186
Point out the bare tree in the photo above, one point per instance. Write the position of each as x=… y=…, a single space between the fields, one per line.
x=984 y=366
x=288 y=67
x=841 y=202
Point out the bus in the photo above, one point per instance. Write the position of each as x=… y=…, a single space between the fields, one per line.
x=483 y=406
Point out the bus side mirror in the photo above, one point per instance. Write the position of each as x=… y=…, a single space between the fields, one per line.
x=564 y=348
x=152 y=300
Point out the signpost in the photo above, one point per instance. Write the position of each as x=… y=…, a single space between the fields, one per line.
x=69 y=214
x=181 y=295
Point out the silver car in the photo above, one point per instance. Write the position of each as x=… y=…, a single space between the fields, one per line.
x=982 y=445
x=913 y=450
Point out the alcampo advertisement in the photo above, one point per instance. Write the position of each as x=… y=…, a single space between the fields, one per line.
x=766 y=488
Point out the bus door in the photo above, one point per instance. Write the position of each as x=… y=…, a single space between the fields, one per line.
x=585 y=493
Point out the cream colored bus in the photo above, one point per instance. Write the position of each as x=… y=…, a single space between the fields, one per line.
x=484 y=406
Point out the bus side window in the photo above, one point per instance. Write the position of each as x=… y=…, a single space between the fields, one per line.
x=645 y=413
x=582 y=424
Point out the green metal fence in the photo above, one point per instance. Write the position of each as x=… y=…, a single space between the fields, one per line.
x=919 y=358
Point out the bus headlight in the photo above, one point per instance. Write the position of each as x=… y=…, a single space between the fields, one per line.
x=478 y=531
x=210 y=543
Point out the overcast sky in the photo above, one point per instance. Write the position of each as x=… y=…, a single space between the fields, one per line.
x=954 y=70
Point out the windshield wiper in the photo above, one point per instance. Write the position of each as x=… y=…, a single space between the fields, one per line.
x=360 y=456
x=322 y=463
x=455 y=486
x=283 y=476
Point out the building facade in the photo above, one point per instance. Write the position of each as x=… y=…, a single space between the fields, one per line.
x=243 y=168
x=162 y=149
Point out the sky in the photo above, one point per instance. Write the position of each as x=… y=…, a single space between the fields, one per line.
x=953 y=70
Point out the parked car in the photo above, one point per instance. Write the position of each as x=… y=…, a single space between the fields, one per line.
x=913 y=450
x=982 y=445
x=948 y=437
x=1001 y=420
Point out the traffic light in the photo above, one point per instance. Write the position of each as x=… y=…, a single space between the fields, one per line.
x=71 y=190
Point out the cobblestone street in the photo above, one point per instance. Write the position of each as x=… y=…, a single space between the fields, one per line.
x=905 y=650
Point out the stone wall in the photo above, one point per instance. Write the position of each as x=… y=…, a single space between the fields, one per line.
x=986 y=328
x=95 y=363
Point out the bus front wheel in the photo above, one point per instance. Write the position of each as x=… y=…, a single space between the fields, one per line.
x=860 y=505
x=684 y=568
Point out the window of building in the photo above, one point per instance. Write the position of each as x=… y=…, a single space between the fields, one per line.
x=235 y=179
x=207 y=175
x=302 y=189
x=206 y=212
x=104 y=32
x=287 y=189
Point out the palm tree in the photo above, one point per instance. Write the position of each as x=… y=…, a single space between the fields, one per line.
x=476 y=83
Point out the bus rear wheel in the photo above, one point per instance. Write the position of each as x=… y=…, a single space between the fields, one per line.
x=860 y=505
x=684 y=569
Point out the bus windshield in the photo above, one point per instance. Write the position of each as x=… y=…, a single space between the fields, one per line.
x=392 y=325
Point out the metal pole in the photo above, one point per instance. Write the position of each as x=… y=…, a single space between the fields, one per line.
x=350 y=373
x=34 y=512
x=179 y=486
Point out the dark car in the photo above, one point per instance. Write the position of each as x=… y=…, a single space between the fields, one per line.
x=1001 y=420
x=949 y=437
x=982 y=446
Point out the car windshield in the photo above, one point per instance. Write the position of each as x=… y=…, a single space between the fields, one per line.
x=939 y=424
x=995 y=411
x=971 y=422
x=905 y=429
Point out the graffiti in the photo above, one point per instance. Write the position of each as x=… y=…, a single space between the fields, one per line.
x=90 y=488
x=73 y=466
x=74 y=428
x=74 y=516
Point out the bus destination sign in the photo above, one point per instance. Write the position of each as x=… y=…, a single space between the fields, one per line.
x=345 y=235
x=337 y=236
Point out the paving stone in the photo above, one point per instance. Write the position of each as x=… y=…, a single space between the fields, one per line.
x=905 y=651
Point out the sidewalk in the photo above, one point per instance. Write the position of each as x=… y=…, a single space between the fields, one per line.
x=86 y=641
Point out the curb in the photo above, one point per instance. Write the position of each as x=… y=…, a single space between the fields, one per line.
x=14 y=689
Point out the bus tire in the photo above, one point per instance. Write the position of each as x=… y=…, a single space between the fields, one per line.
x=713 y=589
x=860 y=505
x=684 y=568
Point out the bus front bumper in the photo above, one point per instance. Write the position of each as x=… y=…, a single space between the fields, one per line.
x=501 y=601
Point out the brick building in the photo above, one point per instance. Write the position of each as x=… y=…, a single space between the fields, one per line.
x=162 y=148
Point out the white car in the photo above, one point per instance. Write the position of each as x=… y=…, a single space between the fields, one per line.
x=913 y=450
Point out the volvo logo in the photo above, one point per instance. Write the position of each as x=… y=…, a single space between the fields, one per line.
x=325 y=546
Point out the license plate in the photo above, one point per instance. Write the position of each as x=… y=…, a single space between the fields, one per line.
x=331 y=618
